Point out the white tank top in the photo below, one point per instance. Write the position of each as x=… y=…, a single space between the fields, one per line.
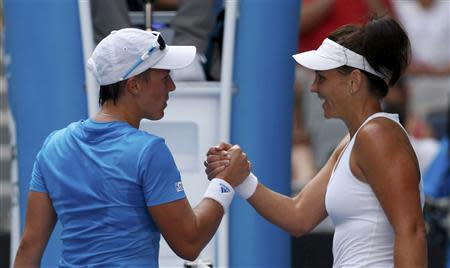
x=363 y=236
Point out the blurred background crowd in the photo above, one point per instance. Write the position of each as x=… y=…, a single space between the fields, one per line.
x=421 y=98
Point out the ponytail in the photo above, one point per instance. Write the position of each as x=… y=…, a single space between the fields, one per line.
x=384 y=44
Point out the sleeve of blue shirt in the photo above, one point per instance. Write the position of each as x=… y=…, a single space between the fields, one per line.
x=161 y=180
x=37 y=183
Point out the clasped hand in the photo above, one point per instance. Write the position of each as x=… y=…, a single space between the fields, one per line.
x=227 y=162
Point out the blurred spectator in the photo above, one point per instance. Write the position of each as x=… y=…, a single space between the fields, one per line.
x=427 y=23
x=420 y=133
x=428 y=26
x=437 y=191
x=137 y=5
x=302 y=158
x=192 y=25
x=320 y=17
x=107 y=16
x=433 y=157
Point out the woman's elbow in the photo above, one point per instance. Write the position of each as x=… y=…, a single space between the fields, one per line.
x=414 y=229
x=188 y=252
x=192 y=257
x=421 y=232
x=26 y=255
x=298 y=230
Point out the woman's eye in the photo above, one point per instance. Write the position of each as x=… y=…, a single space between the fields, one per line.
x=320 y=78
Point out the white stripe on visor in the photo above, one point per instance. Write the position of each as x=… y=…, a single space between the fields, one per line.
x=336 y=52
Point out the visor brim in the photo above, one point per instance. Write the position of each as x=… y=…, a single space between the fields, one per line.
x=177 y=57
x=312 y=60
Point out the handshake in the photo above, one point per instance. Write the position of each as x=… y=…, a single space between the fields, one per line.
x=227 y=167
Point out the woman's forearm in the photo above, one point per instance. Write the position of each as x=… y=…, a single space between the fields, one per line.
x=27 y=256
x=410 y=249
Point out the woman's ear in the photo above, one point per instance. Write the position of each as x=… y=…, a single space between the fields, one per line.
x=356 y=79
x=132 y=86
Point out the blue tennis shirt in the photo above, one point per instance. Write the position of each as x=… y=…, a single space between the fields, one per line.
x=101 y=178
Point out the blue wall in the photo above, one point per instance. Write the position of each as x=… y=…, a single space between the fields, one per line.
x=45 y=82
x=262 y=123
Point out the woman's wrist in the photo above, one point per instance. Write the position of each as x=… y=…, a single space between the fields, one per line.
x=220 y=191
x=248 y=187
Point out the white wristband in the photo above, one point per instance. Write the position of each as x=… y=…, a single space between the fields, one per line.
x=221 y=191
x=248 y=187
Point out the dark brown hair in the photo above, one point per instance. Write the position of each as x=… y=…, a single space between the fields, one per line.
x=114 y=91
x=384 y=44
x=110 y=92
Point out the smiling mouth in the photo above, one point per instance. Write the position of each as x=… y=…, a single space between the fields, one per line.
x=322 y=99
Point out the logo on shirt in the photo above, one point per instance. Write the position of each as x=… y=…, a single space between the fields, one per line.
x=224 y=188
x=179 y=186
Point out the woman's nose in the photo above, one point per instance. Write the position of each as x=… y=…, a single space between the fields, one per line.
x=171 y=85
x=313 y=87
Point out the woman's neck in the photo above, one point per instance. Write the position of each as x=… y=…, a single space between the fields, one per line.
x=110 y=112
x=358 y=116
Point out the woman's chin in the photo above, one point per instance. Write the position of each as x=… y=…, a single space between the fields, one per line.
x=327 y=115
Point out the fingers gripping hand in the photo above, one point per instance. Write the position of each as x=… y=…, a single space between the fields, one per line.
x=238 y=169
x=218 y=149
x=217 y=159
x=214 y=167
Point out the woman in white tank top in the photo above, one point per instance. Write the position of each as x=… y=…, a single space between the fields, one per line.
x=370 y=186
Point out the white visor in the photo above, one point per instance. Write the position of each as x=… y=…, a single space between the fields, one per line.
x=331 y=55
